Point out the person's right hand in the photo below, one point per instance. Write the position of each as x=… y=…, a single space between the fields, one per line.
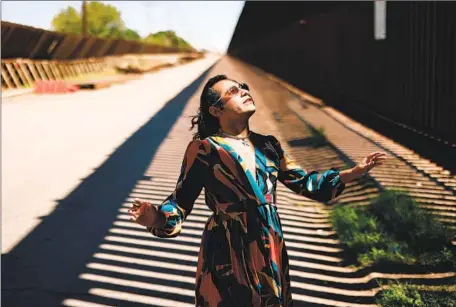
x=143 y=213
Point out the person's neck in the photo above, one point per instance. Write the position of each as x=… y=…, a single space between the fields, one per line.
x=238 y=129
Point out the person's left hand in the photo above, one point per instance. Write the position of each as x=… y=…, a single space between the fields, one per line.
x=372 y=160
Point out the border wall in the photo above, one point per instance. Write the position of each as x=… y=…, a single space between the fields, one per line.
x=19 y=41
x=328 y=49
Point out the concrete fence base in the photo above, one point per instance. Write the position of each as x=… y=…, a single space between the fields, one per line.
x=24 y=73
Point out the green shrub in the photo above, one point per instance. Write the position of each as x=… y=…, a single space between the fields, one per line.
x=363 y=236
x=438 y=298
x=383 y=255
x=402 y=216
x=435 y=258
x=400 y=295
x=357 y=229
x=394 y=229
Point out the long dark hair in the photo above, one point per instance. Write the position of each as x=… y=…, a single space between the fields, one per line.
x=206 y=123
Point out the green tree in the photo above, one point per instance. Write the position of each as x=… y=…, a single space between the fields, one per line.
x=131 y=35
x=103 y=20
x=168 y=39
x=68 y=21
x=160 y=38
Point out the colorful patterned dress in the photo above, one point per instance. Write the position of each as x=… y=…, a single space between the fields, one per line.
x=242 y=260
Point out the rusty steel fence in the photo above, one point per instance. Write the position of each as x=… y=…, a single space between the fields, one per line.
x=19 y=41
x=407 y=79
x=31 y=55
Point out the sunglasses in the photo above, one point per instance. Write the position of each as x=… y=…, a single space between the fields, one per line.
x=232 y=92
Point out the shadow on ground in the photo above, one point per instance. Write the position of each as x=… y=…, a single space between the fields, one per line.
x=44 y=268
x=321 y=270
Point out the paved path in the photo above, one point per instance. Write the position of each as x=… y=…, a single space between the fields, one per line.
x=85 y=252
x=50 y=143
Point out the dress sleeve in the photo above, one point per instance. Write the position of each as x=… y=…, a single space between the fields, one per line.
x=177 y=206
x=319 y=186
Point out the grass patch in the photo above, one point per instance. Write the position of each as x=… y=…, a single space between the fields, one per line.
x=404 y=295
x=394 y=229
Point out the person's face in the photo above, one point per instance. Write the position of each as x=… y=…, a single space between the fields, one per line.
x=235 y=101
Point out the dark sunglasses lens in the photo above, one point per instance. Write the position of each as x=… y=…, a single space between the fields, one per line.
x=244 y=86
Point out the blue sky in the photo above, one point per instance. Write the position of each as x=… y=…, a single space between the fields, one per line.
x=204 y=24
